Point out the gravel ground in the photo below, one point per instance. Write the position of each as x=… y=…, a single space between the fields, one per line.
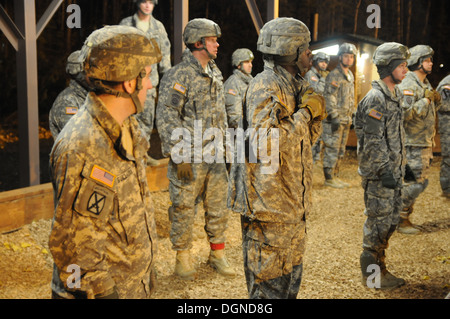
x=331 y=264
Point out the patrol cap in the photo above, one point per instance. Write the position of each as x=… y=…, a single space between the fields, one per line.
x=199 y=28
x=419 y=52
x=118 y=53
x=390 y=51
x=347 y=48
x=74 y=64
x=241 y=55
x=321 y=56
x=283 y=37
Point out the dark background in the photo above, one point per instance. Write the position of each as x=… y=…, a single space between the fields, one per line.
x=410 y=22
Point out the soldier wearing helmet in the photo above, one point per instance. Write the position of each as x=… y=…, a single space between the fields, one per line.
x=273 y=218
x=71 y=99
x=444 y=135
x=382 y=158
x=316 y=78
x=192 y=99
x=144 y=20
x=340 y=99
x=236 y=85
x=420 y=103
x=103 y=226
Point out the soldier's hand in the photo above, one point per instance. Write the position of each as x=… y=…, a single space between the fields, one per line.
x=315 y=104
x=184 y=171
x=388 y=180
x=429 y=95
x=437 y=96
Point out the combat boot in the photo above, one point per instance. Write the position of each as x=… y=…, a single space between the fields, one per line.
x=340 y=181
x=405 y=226
x=329 y=180
x=183 y=265
x=219 y=262
x=388 y=281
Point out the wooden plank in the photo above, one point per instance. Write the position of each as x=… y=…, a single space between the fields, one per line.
x=22 y=206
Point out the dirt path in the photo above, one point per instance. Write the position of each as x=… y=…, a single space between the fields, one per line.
x=331 y=267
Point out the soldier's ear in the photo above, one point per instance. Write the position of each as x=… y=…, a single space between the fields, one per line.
x=129 y=86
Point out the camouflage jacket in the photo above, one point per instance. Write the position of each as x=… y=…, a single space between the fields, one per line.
x=157 y=32
x=67 y=103
x=380 y=133
x=339 y=95
x=191 y=97
x=444 y=112
x=103 y=218
x=316 y=79
x=235 y=87
x=272 y=100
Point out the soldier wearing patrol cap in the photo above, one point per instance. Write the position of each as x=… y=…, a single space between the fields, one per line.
x=192 y=99
x=144 y=20
x=71 y=99
x=340 y=98
x=236 y=85
x=103 y=233
x=275 y=202
x=444 y=135
x=316 y=78
x=382 y=158
x=420 y=103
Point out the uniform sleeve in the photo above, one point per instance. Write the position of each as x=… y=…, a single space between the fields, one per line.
x=413 y=105
x=331 y=95
x=233 y=104
x=77 y=238
x=165 y=64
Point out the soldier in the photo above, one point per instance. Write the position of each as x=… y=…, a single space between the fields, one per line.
x=316 y=78
x=103 y=233
x=70 y=100
x=236 y=85
x=444 y=134
x=273 y=215
x=153 y=28
x=340 y=100
x=381 y=158
x=192 y=99
x=420 y=103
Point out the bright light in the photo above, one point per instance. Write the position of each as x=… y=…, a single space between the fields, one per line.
x=331 y=50
x=364 y=56
x=362 y=60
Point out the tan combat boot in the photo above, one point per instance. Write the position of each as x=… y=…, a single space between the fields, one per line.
x=405 y=226
x=329 y=180
x=183 y=265
x=219 y=262
x=388 y=281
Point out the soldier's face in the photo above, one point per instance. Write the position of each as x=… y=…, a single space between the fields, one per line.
x=212 y=46
x=322 y=65
x=146 y=85
x=146 y=7
x=399 y=72
x=348 y=59
x=427 y=65
x=247 y=67
x=306 y=59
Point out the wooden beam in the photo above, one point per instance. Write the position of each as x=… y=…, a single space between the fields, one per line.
x=181 y=18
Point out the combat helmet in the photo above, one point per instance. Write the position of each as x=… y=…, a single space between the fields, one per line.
x=241 y=55
x=347 y=48
x=418 y=54
x=138 y=2
x=200 y=28
x=388 y=56
x=321 y=56
x=116 y=54
x=74 y=66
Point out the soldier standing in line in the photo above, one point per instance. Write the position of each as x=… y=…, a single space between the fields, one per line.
x=316 y=78
x=143 y=20
x=420 y=103
x=70 y=100
x=103 y=232
x=444 y=135
x=236 y=85
x=192 y=99
x=382 y=158
x=276 y=203
x=340 y=101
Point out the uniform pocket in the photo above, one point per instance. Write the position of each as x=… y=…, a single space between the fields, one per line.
x=94 y=200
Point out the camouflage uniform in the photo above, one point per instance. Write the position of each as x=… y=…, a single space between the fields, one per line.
x=444 y=134
x=273 y=221
x=420 y=118
x=103 y=219
x=340 y=101
x=155 y=31
x=187 y=94
x=66 y=105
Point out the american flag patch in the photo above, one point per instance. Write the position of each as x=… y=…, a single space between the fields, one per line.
x=103 y=176
x=70 y=110
x=178 y=87
x=375 y=114
x=334 y=83
x=447 y=87
x=314 y=78
x=408 y=92
x=232 y=92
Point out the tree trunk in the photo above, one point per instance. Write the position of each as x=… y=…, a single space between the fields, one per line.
x=355 y=27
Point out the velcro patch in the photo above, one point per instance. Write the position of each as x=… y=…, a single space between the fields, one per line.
x=180 y=88
x=335 y=84
x=103 y=176
x=232 y=92
x=447 y=87
x=375 y=114
x=314 y=78
x=71 y=110
x=408 y=92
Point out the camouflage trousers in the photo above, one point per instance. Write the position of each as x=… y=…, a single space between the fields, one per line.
x=209 y=186
x=419 y=159
x=444 y=175
x=317 y=150
x=334 y=144
x=273 y=258
x=382 y=208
